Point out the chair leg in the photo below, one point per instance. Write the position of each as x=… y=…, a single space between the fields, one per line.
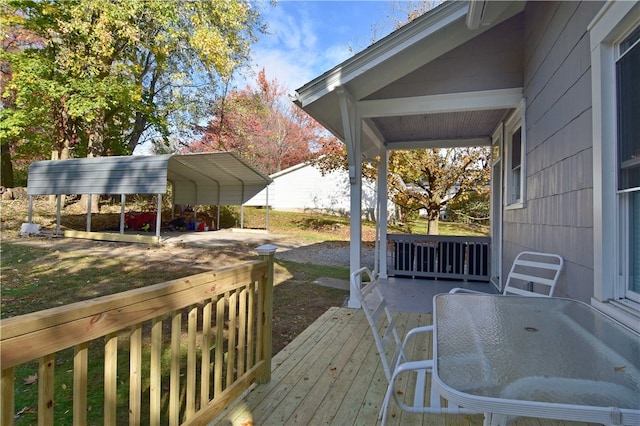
x=494 y=419
x=384 y=410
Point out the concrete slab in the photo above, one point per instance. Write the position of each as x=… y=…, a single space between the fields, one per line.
x=333 y=283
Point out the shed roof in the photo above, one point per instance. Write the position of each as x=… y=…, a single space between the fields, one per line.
x=220 y=178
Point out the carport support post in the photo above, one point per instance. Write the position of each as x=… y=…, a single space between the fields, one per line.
x=265 y=299
x=89 y=212
x=30 y=217
x=58 y=208
x=159 y=216
x=123 y=199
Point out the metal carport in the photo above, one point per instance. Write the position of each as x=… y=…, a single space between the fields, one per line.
x=220 y=178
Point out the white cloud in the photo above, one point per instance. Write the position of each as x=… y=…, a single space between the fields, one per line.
x=306 y=39
x=299 y=46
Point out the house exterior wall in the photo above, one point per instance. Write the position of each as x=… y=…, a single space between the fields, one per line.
x=496 y=56
x=304 y=188
x=557 y=216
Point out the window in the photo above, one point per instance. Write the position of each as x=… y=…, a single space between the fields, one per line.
x=615 y=78
x=627 y=112
x=515 y=176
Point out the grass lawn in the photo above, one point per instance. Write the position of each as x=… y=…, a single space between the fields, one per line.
x=37 y=277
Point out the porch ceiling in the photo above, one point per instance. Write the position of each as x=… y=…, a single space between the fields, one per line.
x=438 y=129
x=433 y=83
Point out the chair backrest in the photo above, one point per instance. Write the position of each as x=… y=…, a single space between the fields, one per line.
x=533 y=270
x=380 y=318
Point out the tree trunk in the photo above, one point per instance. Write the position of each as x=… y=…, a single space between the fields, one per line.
x=95 y=148
x=6 y=165
x=432 y=227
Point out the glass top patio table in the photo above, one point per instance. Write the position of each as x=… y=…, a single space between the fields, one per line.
x=537 y=357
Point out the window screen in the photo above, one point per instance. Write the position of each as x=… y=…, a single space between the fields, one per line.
x=628 y=109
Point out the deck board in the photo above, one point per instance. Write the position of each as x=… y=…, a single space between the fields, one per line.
x=331 y=374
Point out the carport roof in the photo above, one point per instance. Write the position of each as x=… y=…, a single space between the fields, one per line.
x=220 y=178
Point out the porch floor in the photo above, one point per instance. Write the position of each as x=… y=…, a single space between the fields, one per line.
x=331 y=374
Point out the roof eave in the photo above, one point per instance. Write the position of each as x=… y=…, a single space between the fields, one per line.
x=381 y=51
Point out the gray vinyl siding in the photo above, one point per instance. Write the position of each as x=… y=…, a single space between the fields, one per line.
x=558 y=216
x=492 y=60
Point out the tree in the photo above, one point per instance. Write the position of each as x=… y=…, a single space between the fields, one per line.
x=433 y=178
x=262 y=125
x=107 y=74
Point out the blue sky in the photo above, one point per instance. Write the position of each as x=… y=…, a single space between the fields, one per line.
x=307 y=38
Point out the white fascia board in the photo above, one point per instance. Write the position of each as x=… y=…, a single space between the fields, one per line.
x=379 y=52
x=439 y=143
x=451 y=102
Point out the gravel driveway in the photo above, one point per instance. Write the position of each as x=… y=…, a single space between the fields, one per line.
x=325 y=253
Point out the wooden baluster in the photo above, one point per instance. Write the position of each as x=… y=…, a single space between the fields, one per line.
x=219 y=354
x=45 y=389
x=191 y=362
x=155 y=391
x=174 y=379
x=80 y=365
x=231 y=337
x=251 y=325
x=205 y=369
x=135 y=375
x=7 y=408
x=110 y=378
x=242 y=332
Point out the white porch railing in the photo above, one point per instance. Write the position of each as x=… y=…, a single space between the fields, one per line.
x=194 y=345
x=439 y=256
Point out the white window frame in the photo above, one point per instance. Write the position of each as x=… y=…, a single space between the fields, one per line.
x=608 y=28
x=514 y=122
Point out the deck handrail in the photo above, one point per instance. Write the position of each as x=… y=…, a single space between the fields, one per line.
x=439 y=256
x=236 y=302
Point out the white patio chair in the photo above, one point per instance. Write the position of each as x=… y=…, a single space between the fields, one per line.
x=381 y=320
x=530 y=269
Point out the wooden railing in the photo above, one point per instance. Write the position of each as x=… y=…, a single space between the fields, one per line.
x=439 y=256
x=191 y=371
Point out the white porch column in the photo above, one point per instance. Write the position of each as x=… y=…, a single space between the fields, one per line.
x=355 y=234
x=381 y=219
x=352 y=123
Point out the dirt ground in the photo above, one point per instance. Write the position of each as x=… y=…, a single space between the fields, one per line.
x=298 y=300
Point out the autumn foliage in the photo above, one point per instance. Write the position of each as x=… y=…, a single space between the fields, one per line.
x=261 y=124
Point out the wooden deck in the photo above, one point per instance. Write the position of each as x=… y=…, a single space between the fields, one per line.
x=331 y=375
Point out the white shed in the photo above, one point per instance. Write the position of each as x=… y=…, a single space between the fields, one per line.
x=304 y=188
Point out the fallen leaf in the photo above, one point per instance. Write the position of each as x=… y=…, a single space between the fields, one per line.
x=620 y=368
x=29 y=380
x=25 y=410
